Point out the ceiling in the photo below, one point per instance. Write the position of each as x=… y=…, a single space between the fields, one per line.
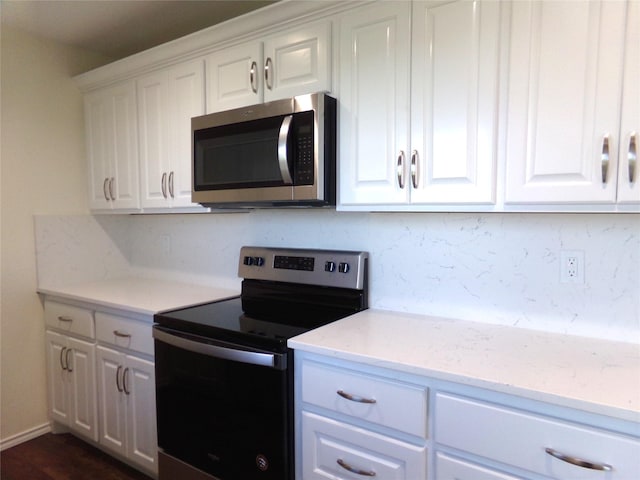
x=119 y=28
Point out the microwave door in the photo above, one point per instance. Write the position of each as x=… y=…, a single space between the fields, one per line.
x=283 y=150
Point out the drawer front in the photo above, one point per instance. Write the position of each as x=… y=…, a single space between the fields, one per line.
x=397 y=405
x=70 y=319
x=124 y=332
x=521 y=439
x=450 y=468
x=332 y=449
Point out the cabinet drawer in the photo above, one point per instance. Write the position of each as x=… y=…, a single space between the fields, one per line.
x=397 y=405
x=331 y=448
x=70 y=319
x=124 y=332
x=450 y=468
x=521 y=439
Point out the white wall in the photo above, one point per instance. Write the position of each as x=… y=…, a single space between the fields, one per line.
x=43 y=171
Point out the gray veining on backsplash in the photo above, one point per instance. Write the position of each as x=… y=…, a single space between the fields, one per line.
x=494 y=268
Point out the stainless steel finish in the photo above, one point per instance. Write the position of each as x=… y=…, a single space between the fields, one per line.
x=282 y=150
x=415 y=173
x=355 y=398
x=355 y=277
x=118 y=333
x=61 y=355
x=237 y=354
x=605 y=157
x=171 y=185
x=163 y=184
x=632 y=156
x=578 y=462
x=170 y=468
x=400 y=169
x=124 y=381
x=104 y=189
x=357 y=471
x=66 y=359
x=268 y=73
x=64 y=318
x=312 y=102
x=113 y=197
x=118 y=378
x=253 y=77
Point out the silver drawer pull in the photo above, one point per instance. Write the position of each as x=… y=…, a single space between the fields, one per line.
x=605 y=158
x=357 y=471
x=577 y=461
x=118 y=333
x=118 y=378
x=355 y=398
x=633 y=157
x=63 y=318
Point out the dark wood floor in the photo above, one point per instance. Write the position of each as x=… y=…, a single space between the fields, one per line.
x=62 y=457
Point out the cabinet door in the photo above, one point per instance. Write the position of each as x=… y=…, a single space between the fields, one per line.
x=629 y=170
x=454 y=101
x=374 y=104
x=298 y=62
x=58 y=378
x=96 y=121
x=141 y=412
x=82 y=368
x=153 y=98
x=186 y=100
x=564 y=101
x=450 y=468
x=234 y=77
x=112 y=401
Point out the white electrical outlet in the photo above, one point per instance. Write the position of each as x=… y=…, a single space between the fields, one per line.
x=571 y=266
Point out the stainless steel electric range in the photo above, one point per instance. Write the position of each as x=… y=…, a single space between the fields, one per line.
x=224 y=373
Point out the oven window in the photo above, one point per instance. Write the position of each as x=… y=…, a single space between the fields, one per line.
x=242 y=155
x=224 y=417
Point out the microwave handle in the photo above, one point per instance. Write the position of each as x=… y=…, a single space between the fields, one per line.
x=282 y=150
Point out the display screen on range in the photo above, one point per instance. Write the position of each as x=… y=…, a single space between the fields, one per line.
x=294 y=263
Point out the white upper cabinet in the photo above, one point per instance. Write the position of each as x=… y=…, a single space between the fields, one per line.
x=294 y=62
x=563 y=116
x=436 y=142
x=167 y=100
x=628 y=170
x=112 y=147
x=374 y=104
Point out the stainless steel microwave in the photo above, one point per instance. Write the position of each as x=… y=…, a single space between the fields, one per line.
x=280 y=153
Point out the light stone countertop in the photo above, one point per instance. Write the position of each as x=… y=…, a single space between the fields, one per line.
x=592 y=375
x=140 y=295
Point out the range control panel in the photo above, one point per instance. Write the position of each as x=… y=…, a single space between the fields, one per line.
x=335 y=268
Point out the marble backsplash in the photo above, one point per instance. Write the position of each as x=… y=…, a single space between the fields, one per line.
x=492 y=268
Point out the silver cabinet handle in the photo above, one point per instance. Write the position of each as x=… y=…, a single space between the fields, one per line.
x=118 y=378
x=61 y=361
x=163 y=184
x=171 y=185
x=400 y=169
x=283 y=138
x=357 y=471
x=104 y=189
x=605 y=157
x=64 y=318
x=124 y=381
x=415 y=172
x=118 y=333
x=253 y=78
x=355 y=398
x=113 y=197
x=268 y=67
x=66 y=360
x=577 y=461
x=632 y=156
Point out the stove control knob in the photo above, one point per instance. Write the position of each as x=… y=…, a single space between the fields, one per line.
x=258 y=261
x=248 y=260
x=329 y=266
x=343 y=267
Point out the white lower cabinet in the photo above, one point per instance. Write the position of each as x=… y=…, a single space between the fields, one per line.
x=126 y=386
x=452 y=468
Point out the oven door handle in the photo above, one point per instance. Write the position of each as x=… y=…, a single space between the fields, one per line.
x=273 y=360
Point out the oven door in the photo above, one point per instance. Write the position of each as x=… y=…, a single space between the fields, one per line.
x=224 y=411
